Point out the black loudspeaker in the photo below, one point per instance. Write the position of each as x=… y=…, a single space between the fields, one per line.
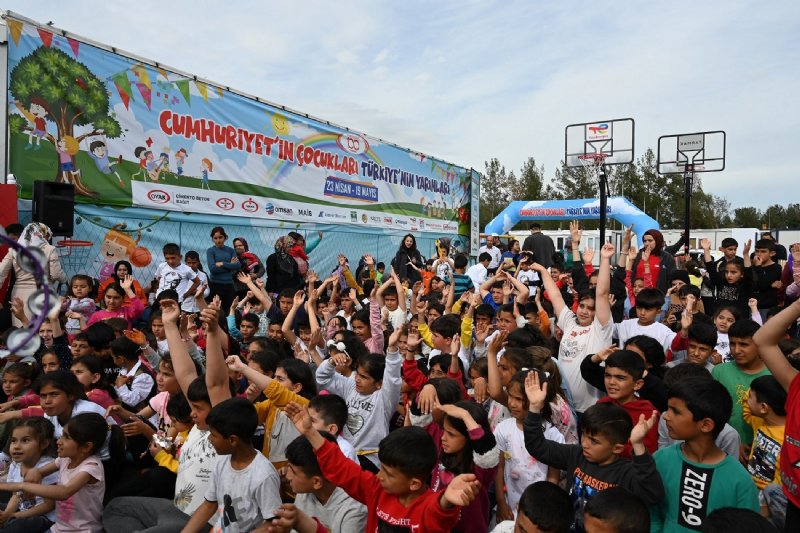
x=54 y=205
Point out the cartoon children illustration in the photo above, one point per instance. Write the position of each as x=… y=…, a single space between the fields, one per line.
x=119 y=246
x=99 y=154
x=35 y=115
x=67 y=147
x=180 y=158
x=154 y=168
x=164 y=160
x=207 y=167
x=144 y=156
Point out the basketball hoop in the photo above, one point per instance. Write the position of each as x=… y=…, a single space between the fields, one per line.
x=65 y=251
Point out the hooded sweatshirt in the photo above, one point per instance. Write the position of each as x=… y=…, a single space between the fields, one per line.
x=635 y=408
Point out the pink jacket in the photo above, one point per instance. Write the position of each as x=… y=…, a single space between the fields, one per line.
x=128 y=312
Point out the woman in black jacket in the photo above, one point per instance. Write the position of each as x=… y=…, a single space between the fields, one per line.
x=653 y=261
x=407 y=253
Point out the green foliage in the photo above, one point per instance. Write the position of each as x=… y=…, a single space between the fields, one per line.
x=494 y=191
x=747 y=217
x=74 y=95
x=16 y=123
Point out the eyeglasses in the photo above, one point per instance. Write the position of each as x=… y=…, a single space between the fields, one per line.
x=339 y=346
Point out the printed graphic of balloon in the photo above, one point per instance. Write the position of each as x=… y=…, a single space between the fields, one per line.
x=280 y=124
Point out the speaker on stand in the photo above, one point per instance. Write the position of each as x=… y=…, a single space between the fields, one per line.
x=54 y=205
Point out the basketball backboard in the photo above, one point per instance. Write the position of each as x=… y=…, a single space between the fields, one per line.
x=691 y=152
x=611 y=138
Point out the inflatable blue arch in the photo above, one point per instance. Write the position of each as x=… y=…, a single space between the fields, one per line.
x=619 y=208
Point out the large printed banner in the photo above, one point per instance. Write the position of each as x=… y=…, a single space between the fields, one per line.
x=129 y=133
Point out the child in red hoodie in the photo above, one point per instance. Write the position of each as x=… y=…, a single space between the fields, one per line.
x=398 y=496
x=622 y=379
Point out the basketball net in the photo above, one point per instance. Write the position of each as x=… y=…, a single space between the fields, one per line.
x=592 y=163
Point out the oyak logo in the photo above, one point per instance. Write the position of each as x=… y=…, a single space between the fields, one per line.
x=158 y=196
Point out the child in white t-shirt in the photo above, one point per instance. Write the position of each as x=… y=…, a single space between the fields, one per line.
x=172 y=274
x=244 y=488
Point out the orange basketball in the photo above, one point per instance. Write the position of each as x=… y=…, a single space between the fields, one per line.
x=141 y=257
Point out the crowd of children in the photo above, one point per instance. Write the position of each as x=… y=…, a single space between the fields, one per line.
x=422 y=397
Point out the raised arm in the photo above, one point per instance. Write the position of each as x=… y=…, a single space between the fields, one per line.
x=746 y=253
x=257 y=288
x=522 y=291
x=767 y=337
x=286 y=327
x=601 y=304
x=575 y=234
x=182 y=363
x=216 y=370
x=496 y=390
x=551 y=288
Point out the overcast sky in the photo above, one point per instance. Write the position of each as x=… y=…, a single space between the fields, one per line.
x=467 y=81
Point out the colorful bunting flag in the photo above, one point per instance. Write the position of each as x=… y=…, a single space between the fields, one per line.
x=146 y=93
x=141 y=73
x=183 y=87
x=219 y=91
x=15 y=26
x=203 y=89
x=75 y=45
x=46 y=36
x=123 y=86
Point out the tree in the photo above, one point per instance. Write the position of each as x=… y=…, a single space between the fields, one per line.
x=571 y=182
x=494 y=191
x=72 y=95
x=747 y=217
x=530 y=183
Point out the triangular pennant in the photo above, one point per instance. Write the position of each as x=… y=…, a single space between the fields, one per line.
x=146 y=93
x=75 y=45
x=122 y=95
x=46 y=36
x=219 y=91
x=15 y=26
x=203 y=89
x=183 y=87
x=123 y=87
x=141 y=73
x=162 y=72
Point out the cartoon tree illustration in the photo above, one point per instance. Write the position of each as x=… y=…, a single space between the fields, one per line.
x=74 y=97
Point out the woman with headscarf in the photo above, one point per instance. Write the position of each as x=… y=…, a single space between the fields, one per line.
x=35 y=235
x=653 y=263
x=121 y=269
x=282 y=271
x=250 y=264
x=298 y=252
x=408 y=253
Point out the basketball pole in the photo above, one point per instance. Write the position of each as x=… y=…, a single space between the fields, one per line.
x=688 y=182
x=601 y=178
